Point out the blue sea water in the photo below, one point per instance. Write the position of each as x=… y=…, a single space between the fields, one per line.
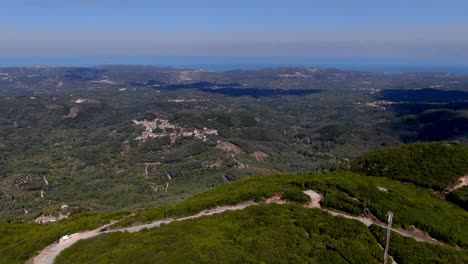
x=217 y=63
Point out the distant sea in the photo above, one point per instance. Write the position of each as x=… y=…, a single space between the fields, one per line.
x=216 y=63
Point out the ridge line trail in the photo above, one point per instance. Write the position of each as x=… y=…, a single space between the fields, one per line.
x=48 y=254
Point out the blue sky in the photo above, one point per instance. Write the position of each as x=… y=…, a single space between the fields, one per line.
x=413 y=29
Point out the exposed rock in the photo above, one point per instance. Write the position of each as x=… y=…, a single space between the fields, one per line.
x=382 y=189
x=462 y=181
x=260 y=155
x=73 y=112
x=213 y=164
x=229 y=147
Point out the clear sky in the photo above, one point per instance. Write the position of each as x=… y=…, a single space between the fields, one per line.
x=416 y=29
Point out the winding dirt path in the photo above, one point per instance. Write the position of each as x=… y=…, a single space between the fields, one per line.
x=462 y=182
x=417 y=234
x=209 y=212
x=48 y=254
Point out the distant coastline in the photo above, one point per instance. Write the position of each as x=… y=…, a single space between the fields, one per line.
x=212 y=63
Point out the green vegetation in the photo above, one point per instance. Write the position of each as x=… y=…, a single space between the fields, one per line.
x=74 y=126
x=258 y=234
x=296 y=196
x=459 y=197
x=19 y=242
x=93 y=162
x=411 y=205
x=408 y=250
x=56 y=149
x=344 y=191
x=430 y=165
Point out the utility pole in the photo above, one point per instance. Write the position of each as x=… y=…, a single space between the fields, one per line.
x=164 y=206
x=367 y=206
x=387 y=239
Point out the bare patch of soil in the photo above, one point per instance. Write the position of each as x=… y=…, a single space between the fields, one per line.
x=315 y=199
x=229 y=147
x=276 y=199
x=462 y=182
x=260 y=155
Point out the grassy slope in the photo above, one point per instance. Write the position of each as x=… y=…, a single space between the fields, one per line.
x=411 y=205
x=459 y=197
x=258 y=234
x=408 y=250
x=20 y=241
x=430 y=165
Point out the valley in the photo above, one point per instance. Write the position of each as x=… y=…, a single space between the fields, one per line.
x=129 y=148
x=233 y=132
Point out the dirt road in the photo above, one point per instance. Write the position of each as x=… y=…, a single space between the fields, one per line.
x=418 y=235
x=209 y=212
x=48 y=254
x=462 y=182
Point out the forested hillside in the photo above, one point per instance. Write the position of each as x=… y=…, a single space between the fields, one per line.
x=135 y=144
x=305 y=230
x=459 y=197
x=123 y=137
x=289 y=232
x=430 y=165
x=262 y=234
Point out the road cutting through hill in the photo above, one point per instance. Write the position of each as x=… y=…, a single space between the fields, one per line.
x=48 y=254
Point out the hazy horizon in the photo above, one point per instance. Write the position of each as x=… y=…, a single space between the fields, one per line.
x=223 y=63
x=416 y=32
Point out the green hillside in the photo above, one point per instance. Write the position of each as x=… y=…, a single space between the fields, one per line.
x=407 y=250
x=287 y=233
x=21 y=241
x=433 y=125
x=258 y=234
x=342 y=191
x=459 y=197
x=430 y=165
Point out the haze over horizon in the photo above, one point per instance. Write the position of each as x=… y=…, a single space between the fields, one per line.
x=241 y=131
x=419 y=32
